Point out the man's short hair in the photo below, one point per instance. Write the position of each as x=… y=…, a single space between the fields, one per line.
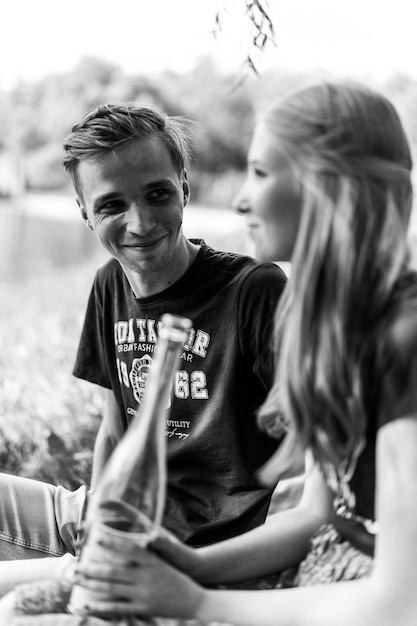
x=109 y=127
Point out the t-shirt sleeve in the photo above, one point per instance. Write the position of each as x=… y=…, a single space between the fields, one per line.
x=91 y=361
x=399 y=379
x=259 y=296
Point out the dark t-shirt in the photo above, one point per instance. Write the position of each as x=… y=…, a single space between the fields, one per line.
x=225 y=370
x=392 y=384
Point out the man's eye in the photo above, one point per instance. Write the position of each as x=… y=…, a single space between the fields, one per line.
x=111 y=207
x=160 y=194
x=259 y=173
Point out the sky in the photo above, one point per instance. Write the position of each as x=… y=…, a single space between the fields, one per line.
x=353 y=38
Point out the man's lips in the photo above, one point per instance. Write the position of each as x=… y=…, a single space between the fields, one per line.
x=143 y=244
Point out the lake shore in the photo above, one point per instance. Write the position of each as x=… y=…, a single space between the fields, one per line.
x=45 y=231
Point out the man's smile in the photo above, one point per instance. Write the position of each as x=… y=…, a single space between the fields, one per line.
x=143 y=244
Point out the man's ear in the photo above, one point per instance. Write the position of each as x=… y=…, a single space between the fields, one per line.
x=84 y=215
x=186 y=188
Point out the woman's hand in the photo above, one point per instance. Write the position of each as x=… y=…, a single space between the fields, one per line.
x=131 y=579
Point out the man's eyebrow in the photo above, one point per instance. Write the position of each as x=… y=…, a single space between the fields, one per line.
x=105 y=197
x=161 y=182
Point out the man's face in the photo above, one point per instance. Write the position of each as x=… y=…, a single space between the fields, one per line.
x=133 y=200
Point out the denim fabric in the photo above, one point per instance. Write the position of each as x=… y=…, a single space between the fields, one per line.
x=38 y=519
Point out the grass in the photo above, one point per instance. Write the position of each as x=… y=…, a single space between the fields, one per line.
x=49 y=418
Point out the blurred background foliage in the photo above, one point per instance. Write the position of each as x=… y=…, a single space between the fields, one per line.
x=34 y=118
x=48 y=419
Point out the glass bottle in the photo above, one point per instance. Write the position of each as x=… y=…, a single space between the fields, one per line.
x=130 y=495
x=134 y=479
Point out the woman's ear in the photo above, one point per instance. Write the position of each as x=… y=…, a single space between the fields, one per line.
x=84 y=215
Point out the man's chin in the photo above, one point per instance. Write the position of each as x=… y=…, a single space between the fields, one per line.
x=144 y=266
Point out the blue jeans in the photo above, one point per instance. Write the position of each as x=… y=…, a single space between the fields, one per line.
x=37 y=519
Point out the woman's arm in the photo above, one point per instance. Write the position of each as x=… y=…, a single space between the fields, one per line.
x=281 y=542
x=389 y=596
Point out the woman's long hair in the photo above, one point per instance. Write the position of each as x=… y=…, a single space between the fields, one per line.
x=347 y=145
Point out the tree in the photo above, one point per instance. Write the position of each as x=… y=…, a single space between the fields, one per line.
x=261 y=29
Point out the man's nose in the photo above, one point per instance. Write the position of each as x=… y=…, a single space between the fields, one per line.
x=140 y=219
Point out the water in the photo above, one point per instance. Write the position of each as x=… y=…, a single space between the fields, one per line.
x=33 y=240
x=39 y=232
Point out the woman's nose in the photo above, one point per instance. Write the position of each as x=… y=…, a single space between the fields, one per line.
x=241 y=203
x=242 y=208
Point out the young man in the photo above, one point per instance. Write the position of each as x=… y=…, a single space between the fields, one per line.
x=128 y=165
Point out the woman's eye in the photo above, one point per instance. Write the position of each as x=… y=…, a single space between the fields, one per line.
x=259 y=173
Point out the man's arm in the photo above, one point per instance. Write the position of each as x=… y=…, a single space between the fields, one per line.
x=107 y=438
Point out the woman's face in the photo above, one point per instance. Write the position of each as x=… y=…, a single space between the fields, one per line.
x=270 y=199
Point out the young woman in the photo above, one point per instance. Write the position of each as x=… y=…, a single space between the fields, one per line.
x=329 y=189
